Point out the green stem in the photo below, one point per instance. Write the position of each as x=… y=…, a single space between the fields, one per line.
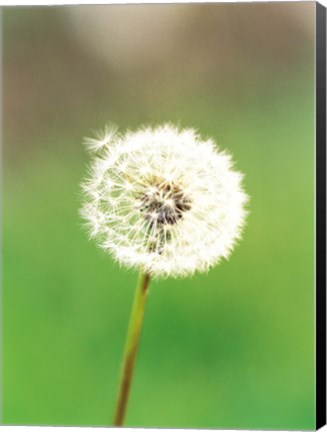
x=131 y=347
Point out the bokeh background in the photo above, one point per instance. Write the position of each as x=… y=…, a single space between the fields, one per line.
x=230 y=349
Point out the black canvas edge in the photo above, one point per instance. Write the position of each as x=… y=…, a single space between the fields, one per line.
x=320 y=215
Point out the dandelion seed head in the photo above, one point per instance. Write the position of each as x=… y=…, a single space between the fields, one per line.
x=163 y=200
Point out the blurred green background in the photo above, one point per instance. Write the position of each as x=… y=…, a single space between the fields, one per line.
x=231 y=349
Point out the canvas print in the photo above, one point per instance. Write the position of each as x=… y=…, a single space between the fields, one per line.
x=159 y=216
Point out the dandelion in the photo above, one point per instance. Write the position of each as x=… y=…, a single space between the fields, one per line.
x=166 y=202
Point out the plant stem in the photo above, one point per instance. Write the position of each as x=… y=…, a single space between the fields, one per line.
x=131 y=347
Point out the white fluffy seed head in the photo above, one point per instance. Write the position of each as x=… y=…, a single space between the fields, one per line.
x=163 y=200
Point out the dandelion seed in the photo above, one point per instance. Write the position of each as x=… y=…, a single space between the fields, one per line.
x=163 y=200
x=102 y=139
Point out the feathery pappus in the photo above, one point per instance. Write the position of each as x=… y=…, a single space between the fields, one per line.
x=163 y=199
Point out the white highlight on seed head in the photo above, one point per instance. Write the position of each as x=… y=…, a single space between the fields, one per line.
x=164 y=200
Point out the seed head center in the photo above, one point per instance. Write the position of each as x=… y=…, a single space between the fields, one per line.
x=164 y=202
